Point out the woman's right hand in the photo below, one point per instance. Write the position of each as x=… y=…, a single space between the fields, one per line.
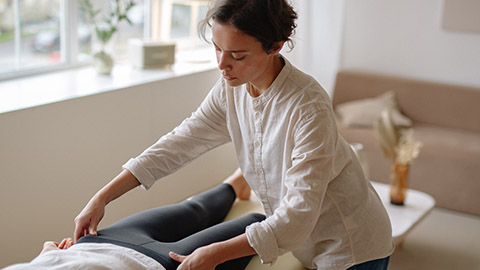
x=87 y=221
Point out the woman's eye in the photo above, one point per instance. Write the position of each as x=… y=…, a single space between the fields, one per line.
x=237 y=57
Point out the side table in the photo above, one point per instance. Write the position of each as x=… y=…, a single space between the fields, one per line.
x=404 y=218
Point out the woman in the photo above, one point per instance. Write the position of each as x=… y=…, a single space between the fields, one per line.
x=319 y=204
x=143 y=241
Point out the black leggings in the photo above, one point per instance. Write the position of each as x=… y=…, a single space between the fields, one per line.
x=180 y=228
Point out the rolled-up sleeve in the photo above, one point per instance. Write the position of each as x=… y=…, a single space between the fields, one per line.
x=305 y=183
x=204 y=130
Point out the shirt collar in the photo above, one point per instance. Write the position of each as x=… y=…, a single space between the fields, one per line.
x=275 y=87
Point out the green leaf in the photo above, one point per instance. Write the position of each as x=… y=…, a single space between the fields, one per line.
x=106 y=26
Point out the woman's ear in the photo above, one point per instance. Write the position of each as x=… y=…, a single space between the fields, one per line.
x=277 y=47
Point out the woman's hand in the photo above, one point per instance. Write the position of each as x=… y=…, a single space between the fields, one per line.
x=208 y=257
x=50 y=245
x=87 y=221
x=204 y=258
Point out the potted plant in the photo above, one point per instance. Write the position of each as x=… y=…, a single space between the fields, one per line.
x=105 y=25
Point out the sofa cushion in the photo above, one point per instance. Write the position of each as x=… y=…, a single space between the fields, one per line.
x=441 y=104
x=363 y=112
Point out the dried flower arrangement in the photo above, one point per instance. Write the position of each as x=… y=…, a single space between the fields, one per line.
x=402 y=149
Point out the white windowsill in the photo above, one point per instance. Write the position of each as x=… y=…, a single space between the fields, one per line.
x=52 y=87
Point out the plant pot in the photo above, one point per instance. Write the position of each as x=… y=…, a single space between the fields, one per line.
x=399 y=185
x=103 y=62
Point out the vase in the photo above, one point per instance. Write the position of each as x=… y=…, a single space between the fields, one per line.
x=399 y=185
x=103 y=62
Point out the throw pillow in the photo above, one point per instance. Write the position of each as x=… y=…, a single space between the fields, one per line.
x=363 y=112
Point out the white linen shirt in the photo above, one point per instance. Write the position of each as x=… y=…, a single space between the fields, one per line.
x=318 y=203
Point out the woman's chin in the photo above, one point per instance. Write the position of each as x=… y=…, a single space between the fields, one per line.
x=234 y=82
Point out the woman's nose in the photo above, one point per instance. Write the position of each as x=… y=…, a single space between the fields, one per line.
x=222 y=61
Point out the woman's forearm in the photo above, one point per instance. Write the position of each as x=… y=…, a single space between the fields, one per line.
x=209 y=257
x=120 y=185
x=234 y=248
x=87 y=221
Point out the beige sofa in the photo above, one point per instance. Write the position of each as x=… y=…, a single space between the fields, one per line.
x=446 y=119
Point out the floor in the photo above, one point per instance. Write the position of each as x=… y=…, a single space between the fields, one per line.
x=444 y=240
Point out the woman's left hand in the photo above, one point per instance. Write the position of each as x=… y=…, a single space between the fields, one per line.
x=203 y=258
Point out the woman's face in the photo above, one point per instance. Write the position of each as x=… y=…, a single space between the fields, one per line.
x=240 y=57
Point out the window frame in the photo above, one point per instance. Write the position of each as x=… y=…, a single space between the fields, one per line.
x=69 y=43
x=161 y=18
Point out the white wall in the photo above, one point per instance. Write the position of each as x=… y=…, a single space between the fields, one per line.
x=53 y=158
x=319 y=39
x=393 y=37
x=406 y=38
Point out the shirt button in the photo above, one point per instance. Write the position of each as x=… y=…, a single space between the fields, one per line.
x=257 y=115
x=314 y=185
x=255 y=101
x=257 y=143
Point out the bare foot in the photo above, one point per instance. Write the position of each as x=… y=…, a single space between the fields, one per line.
x=239 y=184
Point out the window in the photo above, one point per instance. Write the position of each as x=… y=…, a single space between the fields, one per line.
x=44 y=35
x=177 y=20
x=30 y=34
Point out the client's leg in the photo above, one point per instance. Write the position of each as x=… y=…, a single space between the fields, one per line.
x=217 y=233
x=149 y=232
x=174 y=222
x=239 y=184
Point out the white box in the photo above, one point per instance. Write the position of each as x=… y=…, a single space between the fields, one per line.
x=150 y=54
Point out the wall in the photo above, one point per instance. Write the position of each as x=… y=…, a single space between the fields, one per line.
x=406 y=38
x=53 y=158
x=402 y=38
x=318 y=39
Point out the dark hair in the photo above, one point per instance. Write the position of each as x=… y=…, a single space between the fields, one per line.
x=269 y=21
